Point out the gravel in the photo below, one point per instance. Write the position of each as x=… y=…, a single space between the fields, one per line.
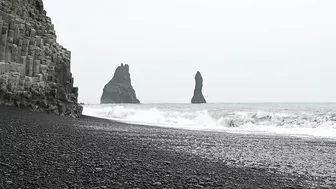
x=47 y=151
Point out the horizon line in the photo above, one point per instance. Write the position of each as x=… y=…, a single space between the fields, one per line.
x=225 y=103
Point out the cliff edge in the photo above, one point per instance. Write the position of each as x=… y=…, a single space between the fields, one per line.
x=34 y=69
x=119 y=89
x=198 y=97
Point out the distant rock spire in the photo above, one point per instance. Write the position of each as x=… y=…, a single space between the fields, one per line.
x=119 y=89
x=198 y=97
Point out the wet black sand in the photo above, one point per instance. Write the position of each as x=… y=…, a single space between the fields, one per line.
x=47 y=151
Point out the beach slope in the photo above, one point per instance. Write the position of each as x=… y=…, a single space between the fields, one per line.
x=47 y=151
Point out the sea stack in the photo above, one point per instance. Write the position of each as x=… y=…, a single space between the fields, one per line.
x=198 y=97
x=119 y=89
x=34 y=68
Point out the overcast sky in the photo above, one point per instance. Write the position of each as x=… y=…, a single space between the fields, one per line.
x=247 y=51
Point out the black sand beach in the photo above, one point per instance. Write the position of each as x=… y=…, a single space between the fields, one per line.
x=46 y=151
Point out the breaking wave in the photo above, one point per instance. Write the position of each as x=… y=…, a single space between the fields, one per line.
x=284 y=122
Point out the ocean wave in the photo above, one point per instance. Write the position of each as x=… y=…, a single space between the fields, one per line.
x=289 y=123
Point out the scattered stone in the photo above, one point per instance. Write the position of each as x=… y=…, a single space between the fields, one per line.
x=71 y=171
x=9 y=182
x=192 y=180
x=156 y=184
x=99 y=169
x=290 y=187
x=167 y=162
x=4 y=164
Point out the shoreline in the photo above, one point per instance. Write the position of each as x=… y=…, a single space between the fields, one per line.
x=40 y=150
x=275 y=119
x=234 y=132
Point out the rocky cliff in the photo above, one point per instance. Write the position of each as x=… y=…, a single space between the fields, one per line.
x=34 y=68
x=119 y=89
x=198 y=97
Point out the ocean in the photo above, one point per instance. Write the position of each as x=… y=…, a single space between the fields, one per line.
x=290 y=119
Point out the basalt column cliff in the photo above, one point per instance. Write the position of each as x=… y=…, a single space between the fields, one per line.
x=34 y=69
x=198 y=97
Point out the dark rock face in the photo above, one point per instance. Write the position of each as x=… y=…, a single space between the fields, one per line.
x=119 y=89
x=198 y=97
x=34 y=69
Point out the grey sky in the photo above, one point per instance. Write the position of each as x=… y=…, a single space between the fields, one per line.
x=247 y=51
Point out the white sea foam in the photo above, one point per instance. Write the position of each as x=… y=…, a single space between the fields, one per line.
x=301 y=121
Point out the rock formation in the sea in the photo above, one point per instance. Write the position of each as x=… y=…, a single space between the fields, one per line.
x=198 y=97
x=119 y=89
x=34 y=69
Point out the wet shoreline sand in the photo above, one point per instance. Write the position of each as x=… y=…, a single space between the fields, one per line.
x=46 y=151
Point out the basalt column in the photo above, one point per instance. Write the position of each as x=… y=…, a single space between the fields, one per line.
x=34 y=68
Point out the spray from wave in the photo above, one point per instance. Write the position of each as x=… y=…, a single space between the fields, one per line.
x=285 y=122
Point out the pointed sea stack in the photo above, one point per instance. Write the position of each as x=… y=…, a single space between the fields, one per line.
x=119 y=89
x=34 y=69
x=198 y=97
